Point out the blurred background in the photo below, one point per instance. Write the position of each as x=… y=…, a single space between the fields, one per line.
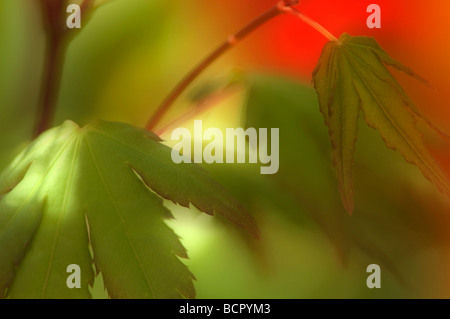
x=130 y=53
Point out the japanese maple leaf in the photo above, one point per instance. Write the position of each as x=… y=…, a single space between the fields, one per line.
x=100 y=187
x=351 y=75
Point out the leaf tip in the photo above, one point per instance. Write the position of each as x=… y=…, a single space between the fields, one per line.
x=346 y=192
x=349 y=204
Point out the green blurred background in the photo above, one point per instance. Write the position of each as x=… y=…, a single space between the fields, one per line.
x=129 y=55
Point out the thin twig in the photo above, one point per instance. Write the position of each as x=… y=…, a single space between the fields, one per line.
x=315 y=25
x=229 y=43
x=283 y=6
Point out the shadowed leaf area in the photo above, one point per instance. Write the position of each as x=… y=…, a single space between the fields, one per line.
x=101 y=186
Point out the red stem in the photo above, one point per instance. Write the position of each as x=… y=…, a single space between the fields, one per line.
x=319 y=28
x=229 y=43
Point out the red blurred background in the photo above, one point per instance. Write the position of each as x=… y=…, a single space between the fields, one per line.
x=413 y=32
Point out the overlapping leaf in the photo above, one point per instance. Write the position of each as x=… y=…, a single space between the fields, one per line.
x=99 y=186
x=352 y=75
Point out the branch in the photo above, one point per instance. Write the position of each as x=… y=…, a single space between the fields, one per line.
x=224 y=47
x=57 y=40
x=53 y=19
x=49 y=93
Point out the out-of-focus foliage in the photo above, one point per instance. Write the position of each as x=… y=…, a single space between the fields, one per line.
x=21 y=53
x=394 y=224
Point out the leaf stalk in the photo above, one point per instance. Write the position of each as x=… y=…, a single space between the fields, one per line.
x=283 y=6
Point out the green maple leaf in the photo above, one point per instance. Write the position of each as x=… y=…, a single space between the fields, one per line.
x=351 y=75
x=100 y=186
